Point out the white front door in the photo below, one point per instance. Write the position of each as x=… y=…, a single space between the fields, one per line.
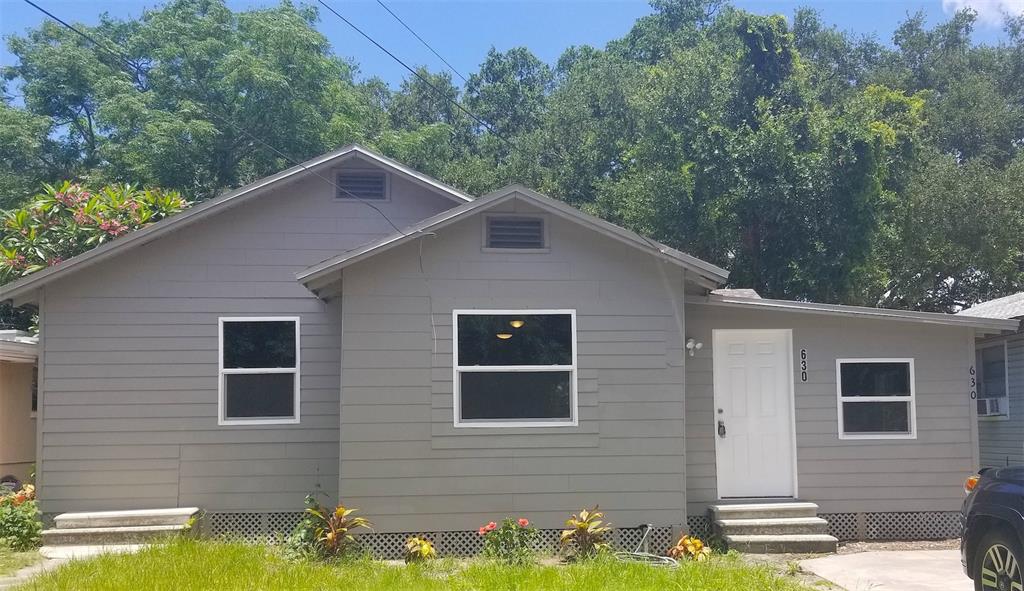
x=754 y=428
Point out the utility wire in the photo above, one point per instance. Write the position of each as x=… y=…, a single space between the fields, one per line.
x=436 y=90
x=425 y=44
x=126 y=61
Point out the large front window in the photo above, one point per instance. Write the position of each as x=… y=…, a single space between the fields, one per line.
x=876 y=398
x=259 y=371
x=515 y=368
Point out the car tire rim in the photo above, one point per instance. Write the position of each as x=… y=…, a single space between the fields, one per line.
x=1000 y=570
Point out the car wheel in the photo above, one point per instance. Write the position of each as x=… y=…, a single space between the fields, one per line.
x=997 y=563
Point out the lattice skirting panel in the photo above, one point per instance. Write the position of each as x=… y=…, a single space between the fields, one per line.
x=390 y=545
x=699 y=526
x=922 y=525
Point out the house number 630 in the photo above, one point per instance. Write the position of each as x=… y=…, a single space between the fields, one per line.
x=974 y=383
x=803 y=365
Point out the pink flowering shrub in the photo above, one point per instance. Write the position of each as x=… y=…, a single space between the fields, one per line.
x=514 y=541
x=69 y=219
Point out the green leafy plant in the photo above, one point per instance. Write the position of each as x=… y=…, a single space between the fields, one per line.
x=586 y=535
x=325 y=533
x=513 y=542
x=20 y=526
x=419 y=550
x=68 y=219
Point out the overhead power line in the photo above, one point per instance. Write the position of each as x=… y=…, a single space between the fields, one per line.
x=425 y=44
x=422 y=79
x=125 y=60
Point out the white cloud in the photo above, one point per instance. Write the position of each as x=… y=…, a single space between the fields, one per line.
x=990 y=12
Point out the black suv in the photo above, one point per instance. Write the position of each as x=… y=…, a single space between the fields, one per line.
x=993 y=527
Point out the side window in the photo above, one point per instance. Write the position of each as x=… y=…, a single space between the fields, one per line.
x=259 y=371
x=993 y=395
x=515 y=368
x=876 y=398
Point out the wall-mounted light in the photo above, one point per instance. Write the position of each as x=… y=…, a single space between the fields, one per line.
x=517 y=323
x=693 y=345
x=504 y=335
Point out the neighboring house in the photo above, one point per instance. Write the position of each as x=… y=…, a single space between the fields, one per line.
x=1000 y=385
x=17 y=404
x=506 y=355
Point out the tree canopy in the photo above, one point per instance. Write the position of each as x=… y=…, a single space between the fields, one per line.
x=810 y=162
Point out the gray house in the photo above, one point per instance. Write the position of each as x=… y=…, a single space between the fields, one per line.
x=505 y=355
x=1000 y=385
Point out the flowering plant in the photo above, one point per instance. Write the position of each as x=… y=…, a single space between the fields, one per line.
x=690 y=547
x=513 y=542
x=68 y=219
x=20 y=527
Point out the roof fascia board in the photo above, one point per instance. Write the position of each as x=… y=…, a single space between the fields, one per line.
x=983 y=324
x=23 y=286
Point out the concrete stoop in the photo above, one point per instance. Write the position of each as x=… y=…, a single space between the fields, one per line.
x=772 y=528
x=110 y=528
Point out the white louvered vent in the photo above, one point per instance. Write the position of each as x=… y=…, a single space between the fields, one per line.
x=362 y=185
x=519 y=233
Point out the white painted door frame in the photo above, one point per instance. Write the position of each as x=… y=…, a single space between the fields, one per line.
x=750 y=489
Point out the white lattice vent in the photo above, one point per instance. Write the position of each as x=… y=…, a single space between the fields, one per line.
x=699 y=526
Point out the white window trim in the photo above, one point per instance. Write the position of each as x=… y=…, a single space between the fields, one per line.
x=1006 y=376
x=222 y=371
x=545 y=224
x=456 y=370
x=346 y=198
x=912 y=399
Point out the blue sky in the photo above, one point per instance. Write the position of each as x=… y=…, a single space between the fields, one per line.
x=463 y=30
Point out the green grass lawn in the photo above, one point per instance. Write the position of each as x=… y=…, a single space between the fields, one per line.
x=190 y=564
x=11 y=561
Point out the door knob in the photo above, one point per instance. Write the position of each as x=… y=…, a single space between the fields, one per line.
x=721 y=429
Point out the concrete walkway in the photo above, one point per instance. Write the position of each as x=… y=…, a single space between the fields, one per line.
x=907 y=570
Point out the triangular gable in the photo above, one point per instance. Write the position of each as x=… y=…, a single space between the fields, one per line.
x=704 y=273
x=23 y=287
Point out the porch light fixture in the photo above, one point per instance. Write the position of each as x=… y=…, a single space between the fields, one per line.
x=693 y=345
x=517 y=323
x=504 y=335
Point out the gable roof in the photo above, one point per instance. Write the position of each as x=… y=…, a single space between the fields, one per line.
x=220 y=203
x=708 y=274
x=1011 y=306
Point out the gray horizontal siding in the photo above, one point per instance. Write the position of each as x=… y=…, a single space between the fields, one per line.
x=1002 y=441
x=130 y=372
x=845 y=475
x=421 y=472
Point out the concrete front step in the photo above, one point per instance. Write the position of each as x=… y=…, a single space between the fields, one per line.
x=102 y=536
x=791 y=525
x=783 y=544
x=136 y=518
x=783 y=510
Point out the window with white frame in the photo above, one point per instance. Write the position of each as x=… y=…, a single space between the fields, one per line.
x=515 y=368
x=993 y=381
x=259 y=371
x=876 y=398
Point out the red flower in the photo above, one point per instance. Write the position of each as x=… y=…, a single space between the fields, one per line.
x=491 y=526
x=482 y=531
x=523 y=522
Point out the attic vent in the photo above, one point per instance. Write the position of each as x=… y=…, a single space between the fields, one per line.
x=520 y=233
x=362 y=185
